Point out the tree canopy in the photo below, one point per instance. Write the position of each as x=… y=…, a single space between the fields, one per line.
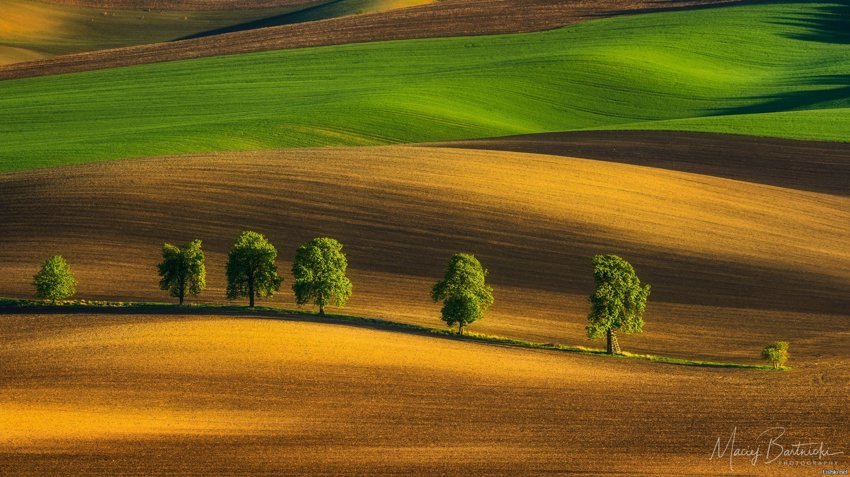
x=182 y=270
x=54 y=281
x=319 y=271
x=463 y=291
x=619 y=300
x=776 y=353
x=251 y=268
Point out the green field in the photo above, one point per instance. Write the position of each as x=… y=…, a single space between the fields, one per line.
x=777 y=69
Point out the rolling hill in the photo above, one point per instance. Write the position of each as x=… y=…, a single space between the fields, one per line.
x=753 y=69
x=815 y=166
x=34 y=30
x=189 y=395
x=708 y=147
x=433 y=19
x=720 y=254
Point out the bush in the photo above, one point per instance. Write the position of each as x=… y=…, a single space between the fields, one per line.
x=776 y=353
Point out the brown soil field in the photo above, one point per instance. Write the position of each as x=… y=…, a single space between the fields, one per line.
x=807 y=165
x=440 y=19
x=207 y=395
x=720 y=254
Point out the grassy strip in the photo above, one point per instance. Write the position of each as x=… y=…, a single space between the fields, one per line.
x=374 y=322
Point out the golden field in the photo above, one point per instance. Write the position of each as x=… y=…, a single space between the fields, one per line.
x=533 y=220
x=111 y=394
x=733 y=265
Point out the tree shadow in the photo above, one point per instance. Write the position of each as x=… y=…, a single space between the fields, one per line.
x=831 y=24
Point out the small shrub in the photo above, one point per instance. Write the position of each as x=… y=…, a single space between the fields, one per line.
x=776 y=353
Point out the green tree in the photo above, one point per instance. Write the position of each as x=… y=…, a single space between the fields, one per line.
x=251 y=269
x=319 y=271
x=776 y=353
x=182 y=270
x=55 y=281
x=463 y=291
x=618 y=302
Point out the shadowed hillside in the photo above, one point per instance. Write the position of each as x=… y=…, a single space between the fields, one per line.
x=806 y=165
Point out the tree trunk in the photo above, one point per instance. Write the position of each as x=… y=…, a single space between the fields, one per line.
x=181 y=299
x=460 y=328
x=610 y=347
x=251 y=291
x=322 y=310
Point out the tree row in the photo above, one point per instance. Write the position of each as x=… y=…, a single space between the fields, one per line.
x=319 y=275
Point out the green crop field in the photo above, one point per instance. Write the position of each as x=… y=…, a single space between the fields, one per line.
x=775 y=69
